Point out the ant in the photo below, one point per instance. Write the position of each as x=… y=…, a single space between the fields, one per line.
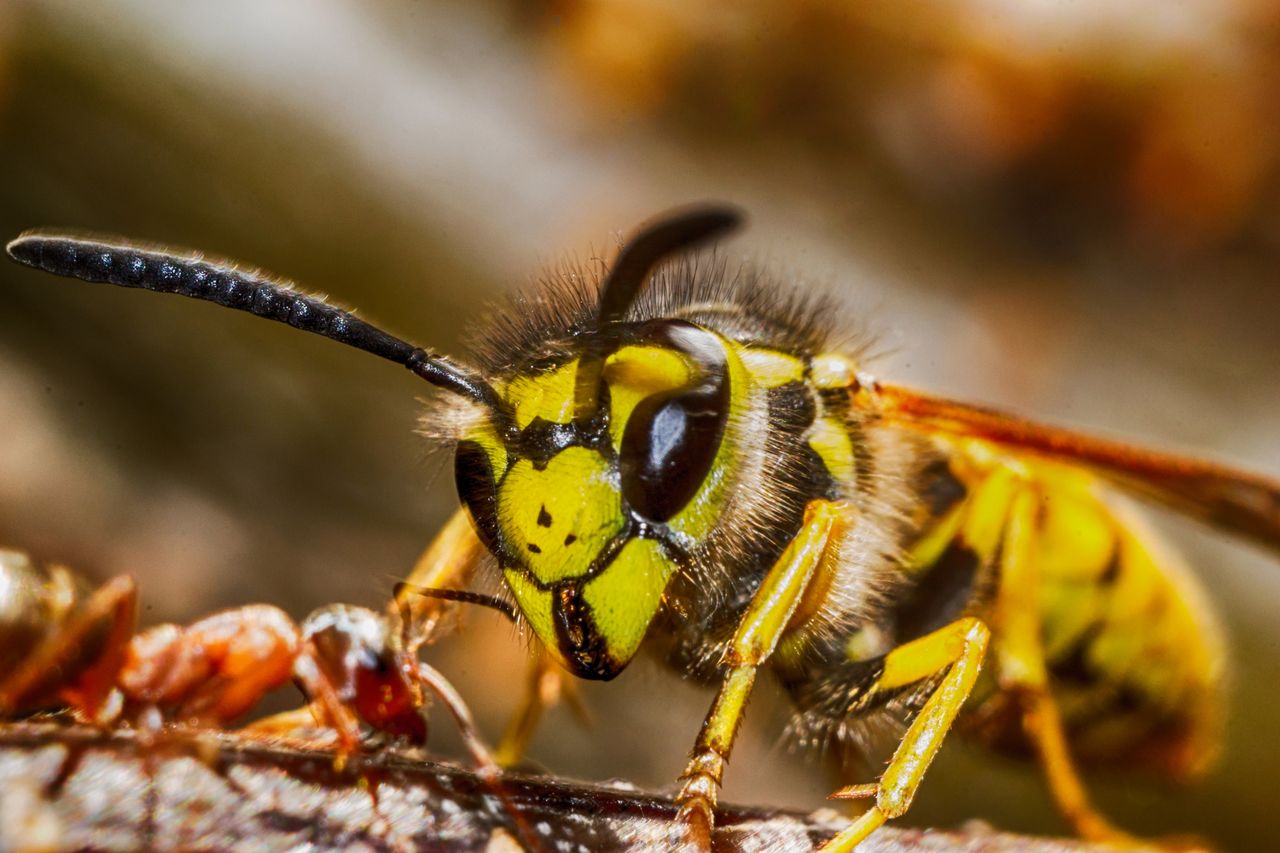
x=63 y=645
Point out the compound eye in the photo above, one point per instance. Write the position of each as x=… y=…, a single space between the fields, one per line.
x=668 y=448
x=473 y=475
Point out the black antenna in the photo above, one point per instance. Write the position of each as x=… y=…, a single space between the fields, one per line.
x=462 y=596
x=151 y=268
x=675 y=231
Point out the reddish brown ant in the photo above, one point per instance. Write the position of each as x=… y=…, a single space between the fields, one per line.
x=63 y=646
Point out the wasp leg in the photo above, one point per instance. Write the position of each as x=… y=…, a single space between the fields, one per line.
x=115 y=604
x=546 y=685
x=1023 y=673
x=954 y=652
x=447 y=563
x=756 y=638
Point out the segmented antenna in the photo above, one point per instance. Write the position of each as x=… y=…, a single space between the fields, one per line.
x=148 y=268
x=463 y=596
x=672 y=232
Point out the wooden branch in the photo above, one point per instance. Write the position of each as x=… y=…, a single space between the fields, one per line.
x=66 y=787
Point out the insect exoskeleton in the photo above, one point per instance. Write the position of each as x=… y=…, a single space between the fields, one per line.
x=66 y=646
x=675 y=455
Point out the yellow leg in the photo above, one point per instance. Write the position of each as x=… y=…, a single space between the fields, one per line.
x=757 y=636
x=448 y=562
x=956 y=650
x=1022 y=672
x=547 y=684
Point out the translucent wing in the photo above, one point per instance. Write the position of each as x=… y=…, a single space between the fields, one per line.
x=1236 y=501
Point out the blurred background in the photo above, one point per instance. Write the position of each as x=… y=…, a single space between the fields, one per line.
x=1069 y=209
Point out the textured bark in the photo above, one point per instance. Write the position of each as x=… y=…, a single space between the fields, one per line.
x=70 y=788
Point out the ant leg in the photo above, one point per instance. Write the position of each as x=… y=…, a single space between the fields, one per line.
x=486 y=767
x=431 y=677
x=35 y=680
x=324 y=702
x=286 y=723
x=214 y=670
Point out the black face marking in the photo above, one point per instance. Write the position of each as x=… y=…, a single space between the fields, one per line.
x=473 y=476
x=671 y=439
x=544 y=517
x=542 y=439
x=577 y=636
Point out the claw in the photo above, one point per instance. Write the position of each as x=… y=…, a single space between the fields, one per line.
x=864 y=791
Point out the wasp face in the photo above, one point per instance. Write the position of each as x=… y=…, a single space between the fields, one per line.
x=589 y=480
x=603 y=480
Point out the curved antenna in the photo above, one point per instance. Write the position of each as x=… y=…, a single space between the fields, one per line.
x=668 y=234
x=675 y=231
x=151 y=268
x=463 y=596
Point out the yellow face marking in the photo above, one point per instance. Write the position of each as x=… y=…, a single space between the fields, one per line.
x=635 y=372
x=545 y=395
x=535 y=605
x=771 y=368
x=558 y=519
x=625 y=597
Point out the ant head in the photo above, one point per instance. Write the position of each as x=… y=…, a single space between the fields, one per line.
x=354 y=649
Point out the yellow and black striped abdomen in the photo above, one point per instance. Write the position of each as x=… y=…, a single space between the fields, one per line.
x=1134 y=655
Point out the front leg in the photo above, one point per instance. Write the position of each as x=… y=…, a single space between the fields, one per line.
x=762 y=625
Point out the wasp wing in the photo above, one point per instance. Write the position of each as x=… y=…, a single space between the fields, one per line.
x=1235 y=501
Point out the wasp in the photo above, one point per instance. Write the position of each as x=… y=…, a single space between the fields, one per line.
x=674 y=455
x=63 y=645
